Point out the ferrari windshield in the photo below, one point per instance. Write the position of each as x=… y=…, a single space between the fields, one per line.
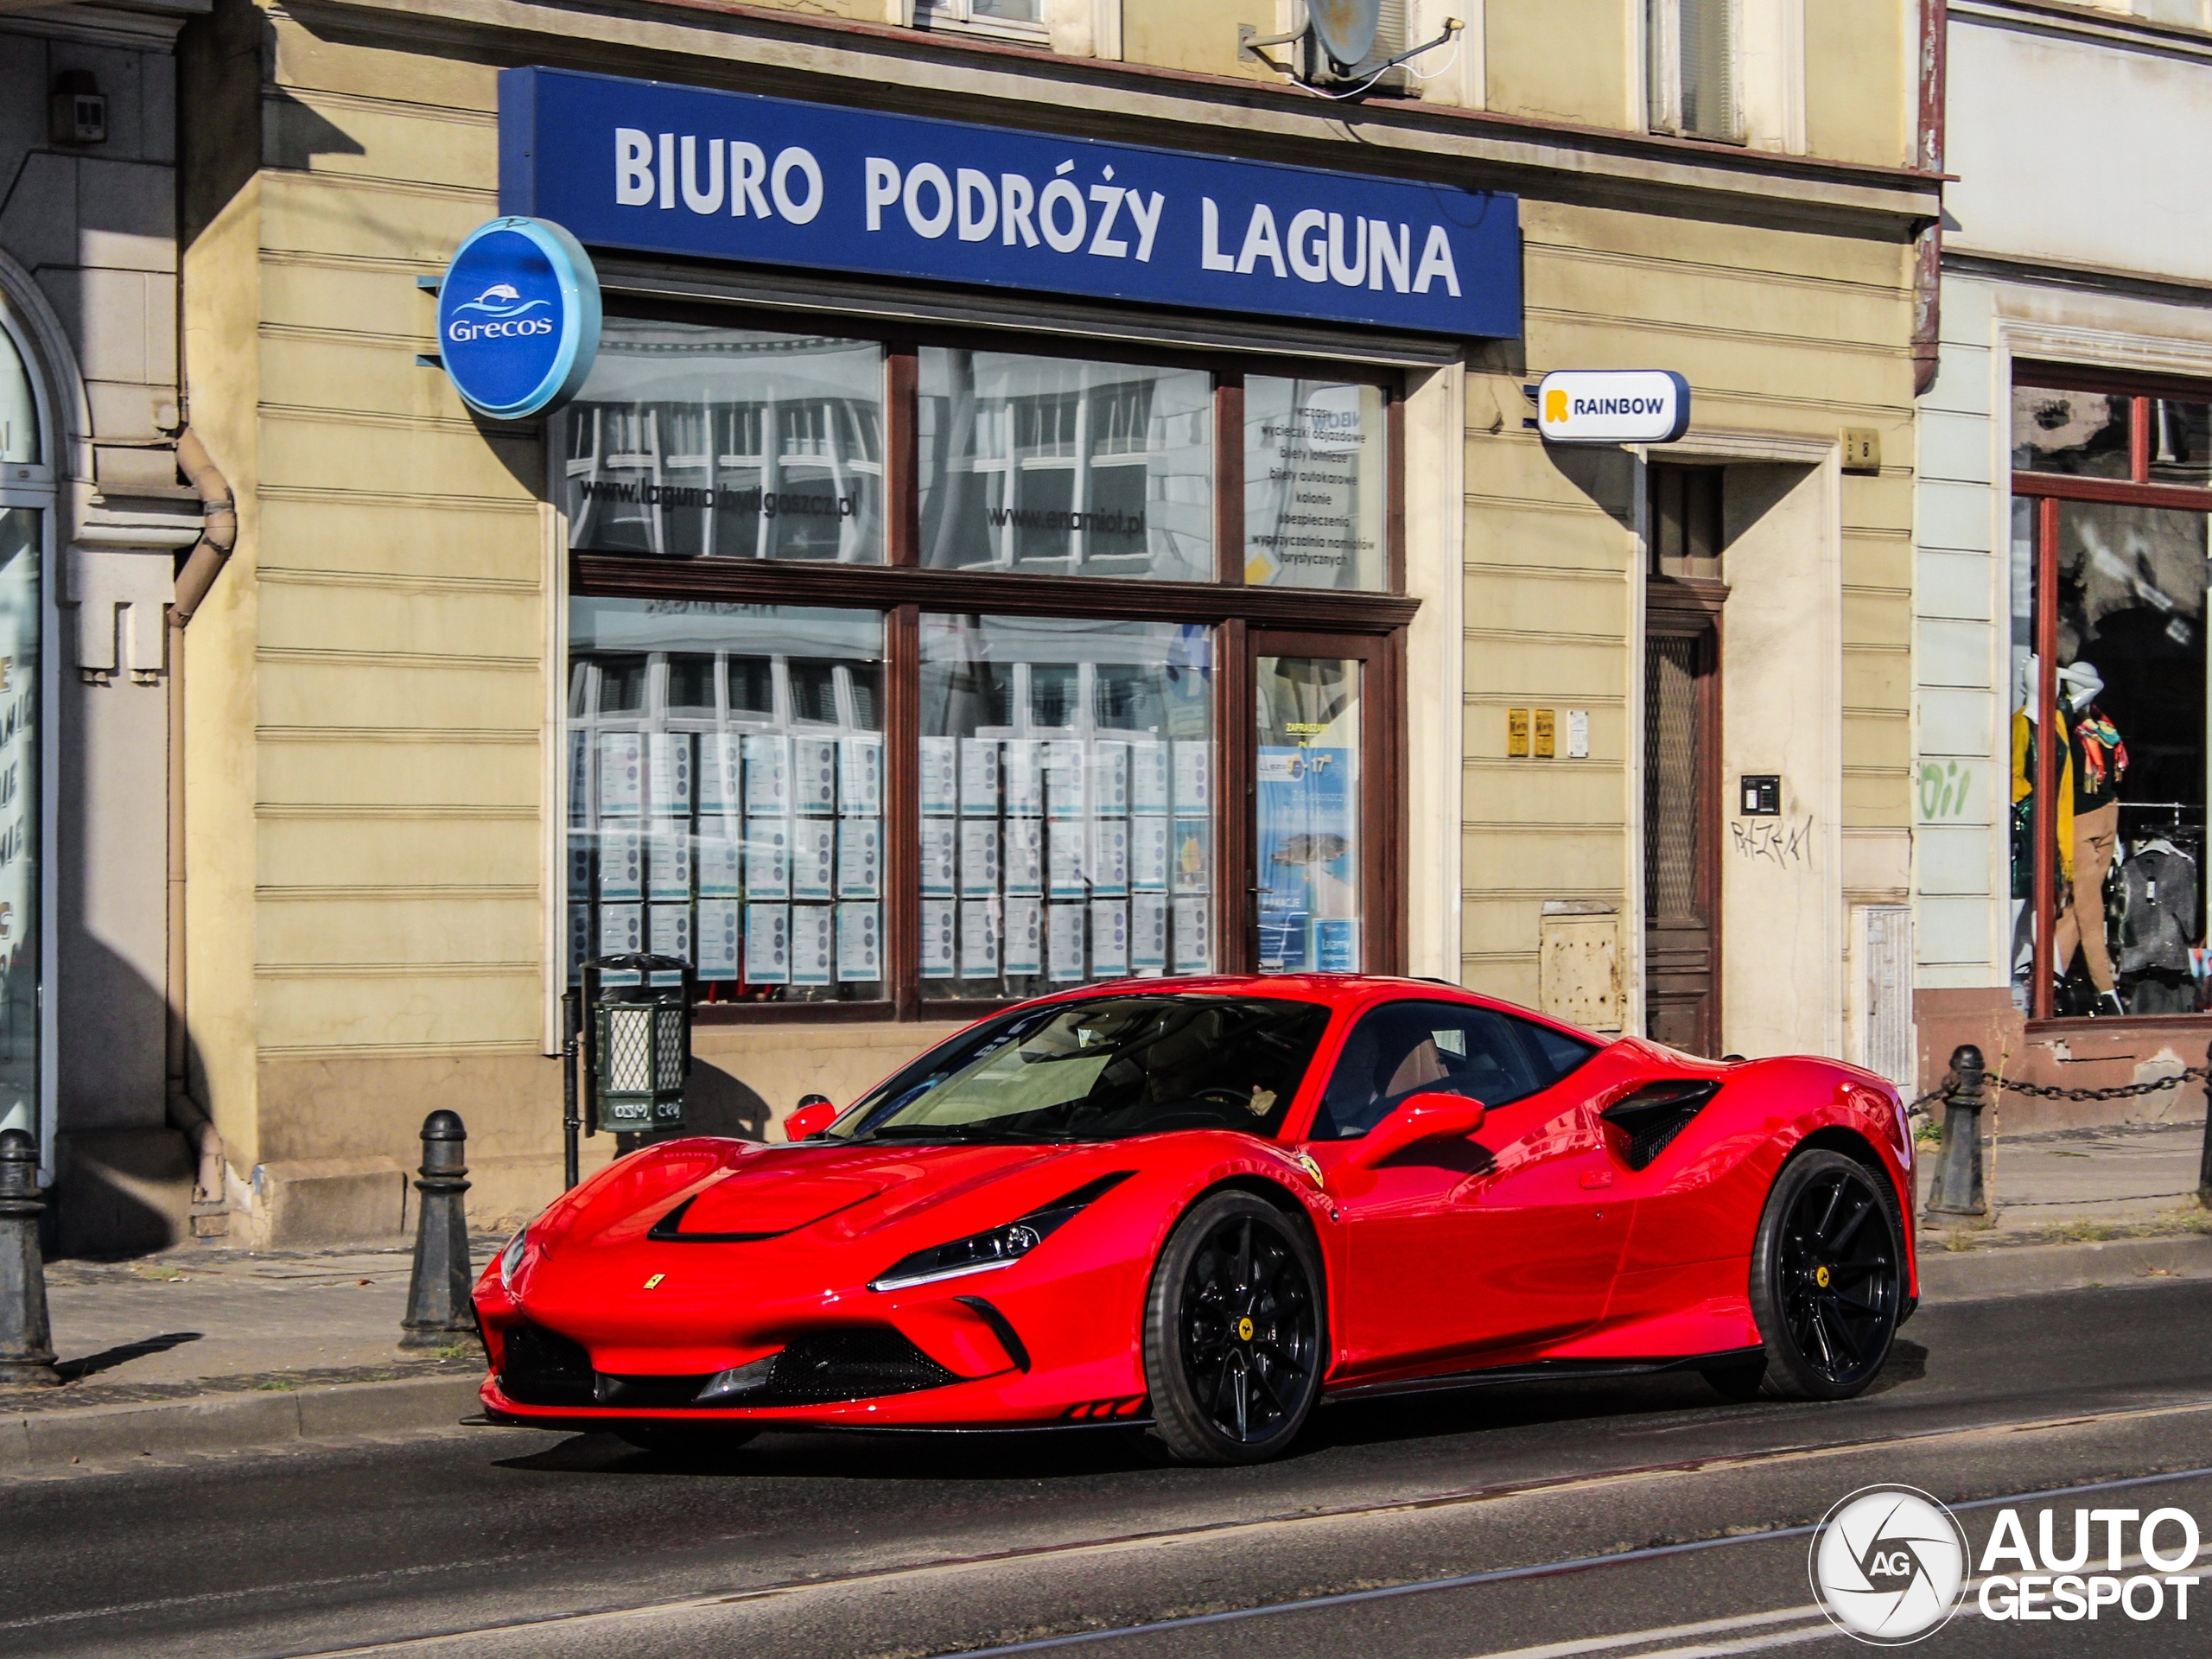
x=1101 y=1070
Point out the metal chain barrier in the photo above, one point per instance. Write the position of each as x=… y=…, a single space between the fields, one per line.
x=1958 y=1187
x=2117 y=1091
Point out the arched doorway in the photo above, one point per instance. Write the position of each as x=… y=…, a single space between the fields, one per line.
x=27 y=504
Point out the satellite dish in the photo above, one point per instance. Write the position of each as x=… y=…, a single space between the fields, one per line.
x=1345 y=29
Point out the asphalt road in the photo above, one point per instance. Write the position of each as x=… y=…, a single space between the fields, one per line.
x=1612 y=1519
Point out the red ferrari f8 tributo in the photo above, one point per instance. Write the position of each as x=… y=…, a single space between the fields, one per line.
x=1201 y=1206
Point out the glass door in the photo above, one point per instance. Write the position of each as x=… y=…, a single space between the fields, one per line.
x=1315 y=867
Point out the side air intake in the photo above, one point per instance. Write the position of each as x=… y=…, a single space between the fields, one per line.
x=1654 y=1115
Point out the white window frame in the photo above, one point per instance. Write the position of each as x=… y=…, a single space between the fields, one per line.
x=962 y=17
x=1663 y=71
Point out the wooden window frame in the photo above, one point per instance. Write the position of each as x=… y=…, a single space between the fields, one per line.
x=1369 y=626
x=2046 y=491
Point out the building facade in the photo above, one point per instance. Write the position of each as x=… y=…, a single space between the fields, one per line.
x=2063 y=496
x=94 y=517
x=895 y=640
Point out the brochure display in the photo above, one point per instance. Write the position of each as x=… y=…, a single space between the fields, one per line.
x=1066 y=777
x=726 y=796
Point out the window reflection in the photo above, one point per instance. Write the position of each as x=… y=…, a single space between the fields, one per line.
x=1315 y=495
x=690 y=442
x=1065 y=467
x=2086 y=434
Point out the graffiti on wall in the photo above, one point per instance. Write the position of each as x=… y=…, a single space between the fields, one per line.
x=1786 y=843
x=1945 y=789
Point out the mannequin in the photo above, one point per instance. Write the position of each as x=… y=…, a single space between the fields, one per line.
x=2095 y=760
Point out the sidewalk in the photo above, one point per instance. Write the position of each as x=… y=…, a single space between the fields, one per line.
x=2080 y=1185
x=206 y=1347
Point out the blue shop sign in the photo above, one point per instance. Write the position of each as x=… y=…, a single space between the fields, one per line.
x=658 y=168
x=519 y=317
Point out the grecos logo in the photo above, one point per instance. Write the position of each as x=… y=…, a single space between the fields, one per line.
x=506 y=313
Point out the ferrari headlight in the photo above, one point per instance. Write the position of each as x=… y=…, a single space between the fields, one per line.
x=1000 y=1246
x=511 y=1258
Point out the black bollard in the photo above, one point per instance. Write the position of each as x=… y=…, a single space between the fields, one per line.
x=439 y=1313
x=1958 y=1189
x=26 y=1334
x=2204 y=1158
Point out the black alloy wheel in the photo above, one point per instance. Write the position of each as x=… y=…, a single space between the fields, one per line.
x=1828 y=1278
x=1234 y=1343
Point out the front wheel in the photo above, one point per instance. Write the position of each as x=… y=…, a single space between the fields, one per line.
x=1828 y=1278
x=1234 y=1332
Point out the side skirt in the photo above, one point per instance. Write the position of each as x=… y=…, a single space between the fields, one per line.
x=491 y=1418
x=1542 y=1370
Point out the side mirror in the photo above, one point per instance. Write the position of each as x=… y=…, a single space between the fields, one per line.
x=815 y=1114
x=1428 y=1116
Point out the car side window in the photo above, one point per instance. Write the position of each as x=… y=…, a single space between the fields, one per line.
x=1562 y=1054
x=1407 y=1048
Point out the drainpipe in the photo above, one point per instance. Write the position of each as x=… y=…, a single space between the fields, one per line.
x=219 y=534
x=1927 y=257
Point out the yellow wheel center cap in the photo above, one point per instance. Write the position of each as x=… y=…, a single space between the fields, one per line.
x=1244 y=1326
x=1821 y=1277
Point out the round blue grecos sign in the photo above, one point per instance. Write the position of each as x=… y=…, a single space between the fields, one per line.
x=518 y=318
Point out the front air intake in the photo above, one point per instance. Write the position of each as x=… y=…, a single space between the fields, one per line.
x=857 y=1364
x=539 y=1366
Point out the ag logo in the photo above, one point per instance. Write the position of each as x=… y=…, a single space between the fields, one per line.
x=1888 y=1564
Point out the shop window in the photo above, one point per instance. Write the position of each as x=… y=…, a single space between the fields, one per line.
x=691 y=442
x=1306 y=813
x=2109 y=691
x=22 y=545
x=26 y=496
x=1316 y=483
x=743 y=833
x=2086 y=434
x=1058 y=466
x=1686 y=527
x=1072 y=841
x=956 y=769
x=1693 y=73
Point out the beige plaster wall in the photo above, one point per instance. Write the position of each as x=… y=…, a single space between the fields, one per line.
x=1786 y=337
x=1781 y=894
x=1172 y=34
x=1564 y=60
x=1861 y=98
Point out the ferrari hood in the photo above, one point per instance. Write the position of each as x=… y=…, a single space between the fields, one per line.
x=763 y=1203
x=704 y=1192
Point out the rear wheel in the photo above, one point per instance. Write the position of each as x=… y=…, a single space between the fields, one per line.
x=1233 y=1339
x=1828 y=1278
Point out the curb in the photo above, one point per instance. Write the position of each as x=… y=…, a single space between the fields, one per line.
x=222 y=1422
x=2023 y=1269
